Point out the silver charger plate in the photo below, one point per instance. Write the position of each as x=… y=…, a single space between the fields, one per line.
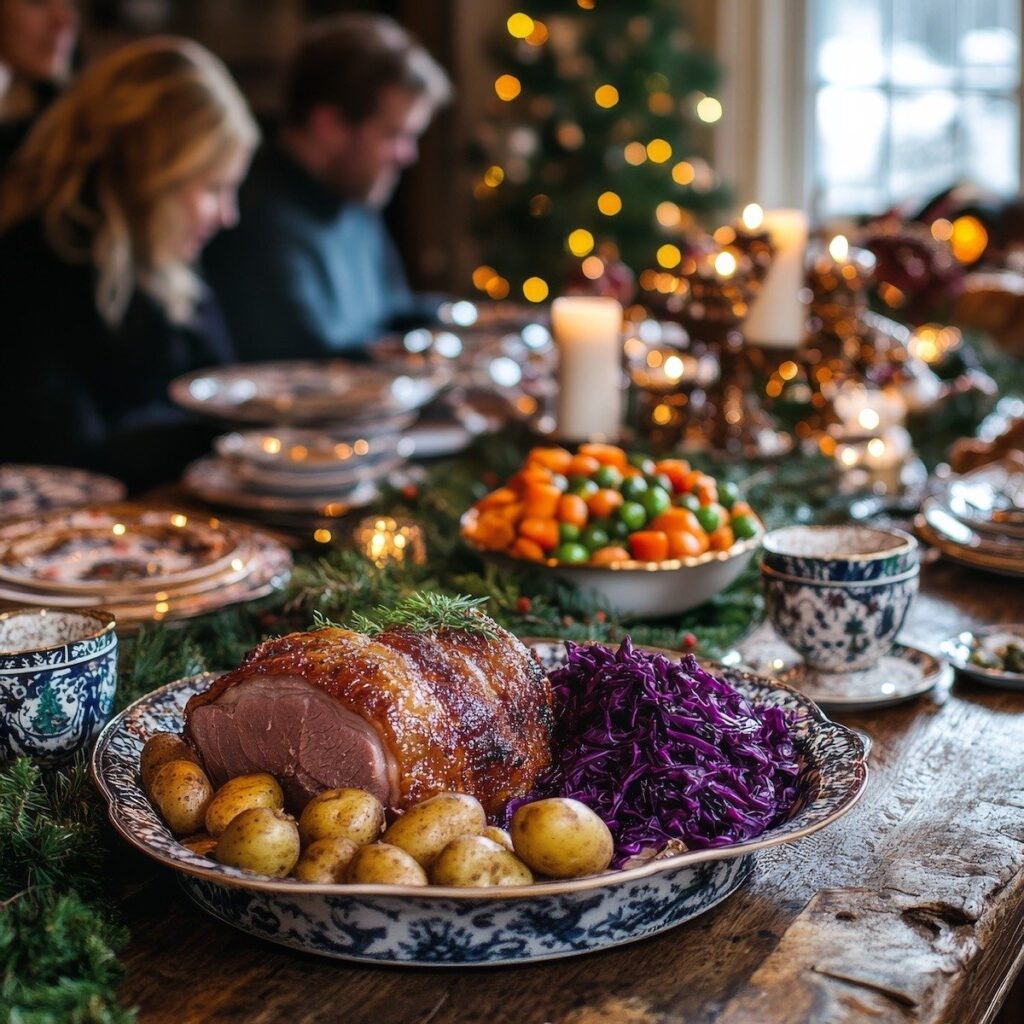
x=903 y=674
x=990 y=498
x=439 y=926
x=958 y=650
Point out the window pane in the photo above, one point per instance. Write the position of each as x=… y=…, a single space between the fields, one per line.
x=991 y=125
x=924 y=143
x=989 y=48
x=923 y=43
x=850 y=45
x=850 y=152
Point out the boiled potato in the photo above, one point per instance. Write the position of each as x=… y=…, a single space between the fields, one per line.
x=428 y=827
x=264 y=840
x=351 y=813
x=160 y=748
x=239 y=794
x=561 y=838
x=499 y=836
x=384 y=864
x=478 y=861
x=326 y=860
x=201 y=844
x=181 y=792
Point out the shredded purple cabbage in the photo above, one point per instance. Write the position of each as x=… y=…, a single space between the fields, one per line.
x=663 y=750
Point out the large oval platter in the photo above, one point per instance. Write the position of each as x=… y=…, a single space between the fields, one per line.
x=455 y=927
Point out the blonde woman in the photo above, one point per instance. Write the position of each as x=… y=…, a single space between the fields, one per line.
x=103 y=214
x=37 y=39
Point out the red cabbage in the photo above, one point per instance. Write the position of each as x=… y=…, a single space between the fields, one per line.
x=662 y=750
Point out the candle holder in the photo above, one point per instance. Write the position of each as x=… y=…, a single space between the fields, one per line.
x=385 y=540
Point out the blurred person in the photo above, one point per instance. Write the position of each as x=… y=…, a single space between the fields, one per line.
x=103 y=214
x=37 y=40
x=311 y=269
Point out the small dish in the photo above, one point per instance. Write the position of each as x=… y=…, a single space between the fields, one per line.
x=839 y=554
x=58 y=675
x=958 y=650
x=903 y=674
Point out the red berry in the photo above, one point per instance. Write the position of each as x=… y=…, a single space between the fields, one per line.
x=601 y=616
x=489 y=478
x=523 y=605
x=410 y=492
x=689 y=641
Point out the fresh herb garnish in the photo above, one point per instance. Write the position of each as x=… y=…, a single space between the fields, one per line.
x=422 y=613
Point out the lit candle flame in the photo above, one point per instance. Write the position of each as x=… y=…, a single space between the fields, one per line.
x=725 y=264
x=752 y=216
x=839 y=248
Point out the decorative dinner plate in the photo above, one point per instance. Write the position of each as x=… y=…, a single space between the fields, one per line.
x=306 y=392
x=964 y=554
x=445 y=926
x=901 y=675
x=29 y=490
x=990 y=498
x=129 y=546
x=959 y=649
x=215 y=480
x=302 y=452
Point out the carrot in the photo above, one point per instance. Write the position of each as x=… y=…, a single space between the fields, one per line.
x=502 y=496
x=494 y=533
x=689 y=480
x=526 y=548
x=676 y=519
x=604 y=502
x=612 y=553
x=572 y=509
x=683 y=544
x=649 y=545
x=706 y=490
x=675 y=470
x=606 y=454
x=555 y=459
x=543 y=531
x=722 y=539
x=582 y=465
x=541 y=501
x=510 y=513
x=740 y=508
x=529 y=475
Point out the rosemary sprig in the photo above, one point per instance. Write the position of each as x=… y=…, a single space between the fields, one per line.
x=425 y=612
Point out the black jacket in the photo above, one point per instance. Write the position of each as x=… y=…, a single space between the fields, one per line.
x=73 y=390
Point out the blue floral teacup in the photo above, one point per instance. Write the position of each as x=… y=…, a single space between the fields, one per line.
x=58 y=674
x=850 y=553
x=839 y=627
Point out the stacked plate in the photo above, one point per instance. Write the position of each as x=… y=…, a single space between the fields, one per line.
x=141 y=564
x=26 y=490
x=289 y=473
x=978 y=518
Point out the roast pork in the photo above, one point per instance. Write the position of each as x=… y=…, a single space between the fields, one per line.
x=404 y=715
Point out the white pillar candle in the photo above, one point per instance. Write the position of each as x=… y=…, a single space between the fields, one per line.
x=778 y=314
x=588 y=333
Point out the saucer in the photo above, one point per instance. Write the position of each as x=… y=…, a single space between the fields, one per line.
x=901 y=675
x=958 y=650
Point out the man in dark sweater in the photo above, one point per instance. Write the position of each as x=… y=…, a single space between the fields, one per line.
x=311 y=270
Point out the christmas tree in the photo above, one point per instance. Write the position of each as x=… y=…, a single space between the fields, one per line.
x=587 y=162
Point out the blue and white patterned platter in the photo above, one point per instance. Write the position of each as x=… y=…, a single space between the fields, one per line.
x=457 y=927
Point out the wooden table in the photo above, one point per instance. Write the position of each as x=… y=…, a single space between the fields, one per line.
x=911 y=908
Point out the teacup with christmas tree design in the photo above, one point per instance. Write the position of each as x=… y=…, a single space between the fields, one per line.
x=58 y=675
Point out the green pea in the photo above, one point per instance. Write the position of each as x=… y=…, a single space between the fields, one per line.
x=744 y=526
x=559 y=481
x=608 y=476
x=572 y=552
x=594 y=537
x=728 y=494
x=659 y=480
x=633 y=514
x=690 y=501
x=633 y=487
x=709 y=517
x=586 y=488
x=642 y=462
x=656 y=501
x=568 y=531
x=578 y=480
x=619 y=530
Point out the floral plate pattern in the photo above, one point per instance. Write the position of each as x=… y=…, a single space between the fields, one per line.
x=444 y=926
x=28 y=490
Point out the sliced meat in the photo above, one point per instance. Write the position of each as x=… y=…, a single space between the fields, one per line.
x=285 y=726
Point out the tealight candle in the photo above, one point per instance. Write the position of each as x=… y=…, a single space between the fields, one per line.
x=869 y=410
x=588 y=333
x=383 y=539
x=778 y=315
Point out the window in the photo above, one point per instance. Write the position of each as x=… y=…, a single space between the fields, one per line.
x=907 y=97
